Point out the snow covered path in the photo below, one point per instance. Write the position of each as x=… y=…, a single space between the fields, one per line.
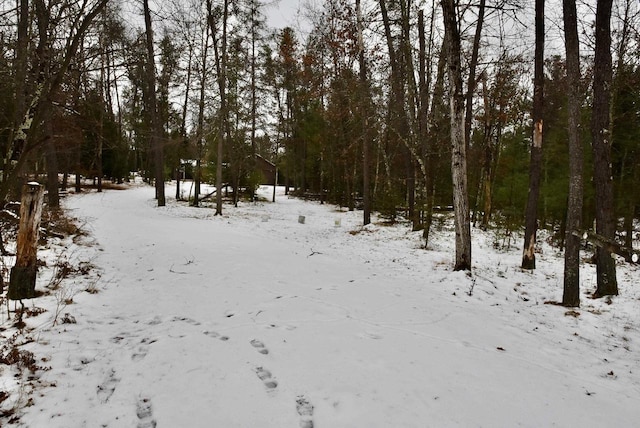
x=255 y=320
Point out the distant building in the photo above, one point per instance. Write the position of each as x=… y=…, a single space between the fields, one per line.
x=267 y=168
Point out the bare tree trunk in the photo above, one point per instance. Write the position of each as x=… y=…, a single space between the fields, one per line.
x=433 y=149
x=571 y=295
x=484 y=188
x=53 y=198
x=183 y=123
x=458 y=146
x=221 y=69
x=630 y=204
x=200 y=140
x=471 y=82
x=102 y=93
x=423 y=115
x=397 y=116
x=366 y=192
x=156 y=126
x=601 y=146
x=254 y=100
x=535 y=166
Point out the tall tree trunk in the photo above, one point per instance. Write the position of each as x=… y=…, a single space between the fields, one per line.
x=53 y=198
x=601 y=146
x=471 y=82
x=156 y=126
x=221 y=55
x=254 y=101
x=183 y=121
x=423 y=109
x=458 y=146
x=366 y=192
x=571 y=295
x=630 y=205
x=200 y=140
x=431 y=146
x=535 y=166
x=397 y=117
x=410 y=115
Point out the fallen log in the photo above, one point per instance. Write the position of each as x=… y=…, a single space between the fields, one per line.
x=630 y=255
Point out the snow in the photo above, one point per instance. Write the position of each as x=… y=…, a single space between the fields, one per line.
x=254 y=319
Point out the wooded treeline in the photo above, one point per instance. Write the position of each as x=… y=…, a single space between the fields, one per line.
x=421 y=103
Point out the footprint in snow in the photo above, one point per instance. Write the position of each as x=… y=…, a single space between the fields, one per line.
x=144 y=411
x=143 y=350
x=370 y=335
x=259 y=346
x=187 y=320
x=305 y=410
x=286 y=327
x=215 y=335
x=116 y=339
x=106 y=389
x=155 y=321
x=265 y=376
x=139 y=354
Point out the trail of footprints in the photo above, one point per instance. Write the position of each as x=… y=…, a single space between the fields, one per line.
x=263 y=374
x=144 y=409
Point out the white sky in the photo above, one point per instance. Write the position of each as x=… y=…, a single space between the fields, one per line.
x=283 y=13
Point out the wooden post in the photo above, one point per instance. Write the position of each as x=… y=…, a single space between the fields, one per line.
x=23 y=275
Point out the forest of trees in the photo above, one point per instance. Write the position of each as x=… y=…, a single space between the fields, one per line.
x=504 y=110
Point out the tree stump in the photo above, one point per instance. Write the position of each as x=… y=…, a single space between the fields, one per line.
x=23 y=275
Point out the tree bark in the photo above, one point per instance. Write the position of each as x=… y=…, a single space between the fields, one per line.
x=200 y=140
x=156 y=126
x=221 y=55
x=535 y=166
x=458 y=146
x=433 y=147
x=571 y=294
x=366 y=192
x=53 y=198
x=601 y=146
x=471 y=82
x=398 y=124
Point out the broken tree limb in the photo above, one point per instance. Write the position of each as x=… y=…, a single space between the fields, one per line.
x=630 y=255
x=22 y=283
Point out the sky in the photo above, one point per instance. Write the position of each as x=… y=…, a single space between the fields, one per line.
x=283 y=13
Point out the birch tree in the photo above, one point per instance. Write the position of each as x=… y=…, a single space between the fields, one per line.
x=458 y=145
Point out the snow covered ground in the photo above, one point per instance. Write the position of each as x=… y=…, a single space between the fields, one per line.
x=253 y=319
